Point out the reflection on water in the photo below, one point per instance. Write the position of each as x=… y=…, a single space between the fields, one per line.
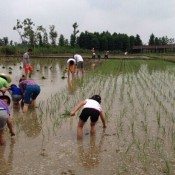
x=138 y=101
x=71 y=85
x=6 y=158
x=27 y=122
x=90 y=154
x=30 y=124
x=46 y=72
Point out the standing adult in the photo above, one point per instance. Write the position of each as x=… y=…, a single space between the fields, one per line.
x=26 y=63
x=106 y=56
x=30 y=90
x=93 y=53
x=80 y=63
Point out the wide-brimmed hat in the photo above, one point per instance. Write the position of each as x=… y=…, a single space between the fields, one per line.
x=6 y=77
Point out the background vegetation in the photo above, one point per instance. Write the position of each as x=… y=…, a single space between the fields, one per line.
x=49 y=42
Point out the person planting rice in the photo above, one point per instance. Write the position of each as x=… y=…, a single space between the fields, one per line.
x=4 y=82
x=16 y=95
x=5 y=118
x=80 y=63
x=71 y=67
x=92 y=109
x=30 y=91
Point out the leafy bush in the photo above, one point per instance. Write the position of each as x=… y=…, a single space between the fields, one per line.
x=8 y=50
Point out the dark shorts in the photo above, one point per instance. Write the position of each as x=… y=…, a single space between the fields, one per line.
x=89 y=112
x=80 y=64
x=16 y=98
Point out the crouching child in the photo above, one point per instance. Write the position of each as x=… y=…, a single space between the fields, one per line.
x=5 y=118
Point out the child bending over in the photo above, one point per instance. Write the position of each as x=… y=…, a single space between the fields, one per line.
x=92 y=109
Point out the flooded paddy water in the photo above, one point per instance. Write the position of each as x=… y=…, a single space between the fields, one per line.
x=138 y=99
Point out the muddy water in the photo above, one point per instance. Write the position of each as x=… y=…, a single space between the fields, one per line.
x=138 y=101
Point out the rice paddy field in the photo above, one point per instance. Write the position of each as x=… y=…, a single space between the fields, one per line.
x=138 y=99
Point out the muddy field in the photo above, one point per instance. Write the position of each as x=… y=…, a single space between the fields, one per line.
x=138 y=99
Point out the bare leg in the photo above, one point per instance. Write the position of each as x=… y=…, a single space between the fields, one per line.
x=10 y=126
x=25 y=107
x=93 y=129
x=2 y=138
x=30 y=73
x=80 y=130
x=16 y=105
x=33 y=103
x=25 y=72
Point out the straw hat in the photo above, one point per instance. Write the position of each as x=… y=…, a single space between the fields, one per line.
x=6 y=77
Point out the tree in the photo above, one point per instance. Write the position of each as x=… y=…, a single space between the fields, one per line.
x=138 y=41
x=126 y=42
x=61 y=40
x=6 y=41
x=11 y=42
x=84 y=40
x=157 y=41
x=40 y=34
x=18 y=28
x=29 y=33
x=109 y=40
x=117 y=41
x=25 y=30
x=53 y=35
x=1 y=42
x=73 y=38
x=45 y=39
x=66 y=42
x=171 y=41
x=95 y=42
x=103 y=42
x=132 y=41
x=151 y=40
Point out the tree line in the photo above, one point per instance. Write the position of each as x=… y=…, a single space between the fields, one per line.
x=37 y=36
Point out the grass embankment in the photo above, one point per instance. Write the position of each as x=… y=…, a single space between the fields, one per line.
x=67 y=51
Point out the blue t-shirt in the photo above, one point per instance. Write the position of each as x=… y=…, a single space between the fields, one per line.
x=16 y=90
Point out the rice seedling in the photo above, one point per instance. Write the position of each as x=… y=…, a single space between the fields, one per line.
x=138 y=102
x=66 y=113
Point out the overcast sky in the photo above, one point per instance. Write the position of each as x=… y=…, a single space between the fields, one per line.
x=131 y=17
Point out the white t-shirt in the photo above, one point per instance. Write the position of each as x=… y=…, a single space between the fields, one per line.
x=90 y=103
x=71 y=59
x=78 y=57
